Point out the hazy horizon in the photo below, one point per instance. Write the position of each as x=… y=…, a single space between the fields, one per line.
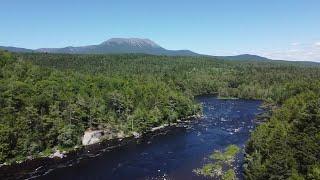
x=287 y=30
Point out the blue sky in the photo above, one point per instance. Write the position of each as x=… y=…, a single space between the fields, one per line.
x=280 y=29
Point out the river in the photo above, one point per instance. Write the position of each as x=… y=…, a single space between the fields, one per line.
x=171 y=154
x=175 y=154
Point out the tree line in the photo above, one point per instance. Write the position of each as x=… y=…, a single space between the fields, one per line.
x=49 y=100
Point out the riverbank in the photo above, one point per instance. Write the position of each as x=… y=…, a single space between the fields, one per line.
x=43 y=164
x=176 y=153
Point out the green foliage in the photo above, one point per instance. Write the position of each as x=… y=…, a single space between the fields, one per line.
x=44 y=108
x=68 y=136
x=49 y=100
x=222 y=167
x=210 y=170
x=6 y=135
x=229 y=175
x=314 y=172
x=275 y=81
x=288 y=145
x=228 y=155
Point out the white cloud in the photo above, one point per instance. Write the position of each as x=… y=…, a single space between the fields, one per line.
x=295 y=52
x=317 y=44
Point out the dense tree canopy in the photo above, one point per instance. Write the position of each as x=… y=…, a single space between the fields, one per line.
x=288 y=145
x=48 y=100
x=43 y=108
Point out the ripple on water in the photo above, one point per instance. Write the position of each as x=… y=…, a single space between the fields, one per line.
x=173 y=155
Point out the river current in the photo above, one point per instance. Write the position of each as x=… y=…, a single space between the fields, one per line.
x=175 y=154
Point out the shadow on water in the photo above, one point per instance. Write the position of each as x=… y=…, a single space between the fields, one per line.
x=175 y=154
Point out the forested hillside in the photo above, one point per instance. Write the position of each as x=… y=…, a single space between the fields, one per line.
x=43 y=108
x=269 y=80
x=49 y=100
x=288 y=146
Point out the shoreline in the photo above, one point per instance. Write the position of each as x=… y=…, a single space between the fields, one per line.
x=39 y=166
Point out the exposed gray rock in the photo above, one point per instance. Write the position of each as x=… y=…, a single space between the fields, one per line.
x=159 y=127
x=3 y=164
x=58 y=154
x=120 y=135
x=136 y=135
x=92 y=137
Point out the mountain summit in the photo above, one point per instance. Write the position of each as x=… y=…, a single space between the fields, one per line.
x=131 y=42
x=127 y=45
x=119 y=46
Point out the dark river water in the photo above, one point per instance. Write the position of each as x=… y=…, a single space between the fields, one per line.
x=175 y=154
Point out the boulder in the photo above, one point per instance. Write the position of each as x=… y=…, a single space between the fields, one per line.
x=120 y=135
x=136 y=135
x=57 y=154
x=92 y=137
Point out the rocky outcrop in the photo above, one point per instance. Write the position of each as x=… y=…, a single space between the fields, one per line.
x=58 y=154
x=92 y=137
x=159 y=127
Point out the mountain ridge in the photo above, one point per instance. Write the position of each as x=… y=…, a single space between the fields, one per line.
x=15 y=49
x=244 y=57
x=120 y=46
x=131 y=46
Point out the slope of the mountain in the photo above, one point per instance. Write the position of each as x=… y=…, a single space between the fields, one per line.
x=244 y=57
x=15 y=49
x=121 y=45
x=250 y=57
x=142 y=46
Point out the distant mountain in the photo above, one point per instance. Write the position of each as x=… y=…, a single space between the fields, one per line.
x=244 y=57
x=112 y=46
x=137 y=45
x=15 y=49
x=119 y=46
x=250 y=57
